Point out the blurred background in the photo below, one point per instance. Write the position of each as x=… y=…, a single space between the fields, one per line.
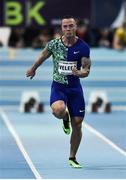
x=27 y=127
x=27 y=25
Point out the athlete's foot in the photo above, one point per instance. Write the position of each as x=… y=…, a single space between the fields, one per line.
x=73 y=163
x=66 y=124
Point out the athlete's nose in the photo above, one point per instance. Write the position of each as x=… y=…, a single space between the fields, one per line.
x=68 y=28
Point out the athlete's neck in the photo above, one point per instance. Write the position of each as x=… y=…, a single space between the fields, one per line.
x=69 y=41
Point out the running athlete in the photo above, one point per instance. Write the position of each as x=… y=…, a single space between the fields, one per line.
x=71 y=61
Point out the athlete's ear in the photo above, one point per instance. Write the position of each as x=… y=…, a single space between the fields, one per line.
x=76 y=24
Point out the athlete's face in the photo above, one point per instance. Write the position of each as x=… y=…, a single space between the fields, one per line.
x=69 y=27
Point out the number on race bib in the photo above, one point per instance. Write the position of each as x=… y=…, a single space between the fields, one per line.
x=65 y=67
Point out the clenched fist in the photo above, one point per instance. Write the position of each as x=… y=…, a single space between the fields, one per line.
x=30 y=73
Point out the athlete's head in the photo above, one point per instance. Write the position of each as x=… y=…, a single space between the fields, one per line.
x=69 y=26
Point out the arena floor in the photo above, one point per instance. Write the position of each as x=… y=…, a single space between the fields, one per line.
x=35 y=146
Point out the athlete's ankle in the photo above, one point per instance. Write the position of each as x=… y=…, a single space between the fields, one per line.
x=72 y=158
x=66 y=116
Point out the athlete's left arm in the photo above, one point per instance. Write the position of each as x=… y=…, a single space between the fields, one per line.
x=85 y=68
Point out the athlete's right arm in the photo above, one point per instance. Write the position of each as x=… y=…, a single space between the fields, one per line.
x=41 y=58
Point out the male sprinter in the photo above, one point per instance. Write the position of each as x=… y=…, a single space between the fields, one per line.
x=71 y=61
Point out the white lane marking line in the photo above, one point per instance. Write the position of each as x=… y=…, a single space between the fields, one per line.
x=19 y=144
x=105 y=139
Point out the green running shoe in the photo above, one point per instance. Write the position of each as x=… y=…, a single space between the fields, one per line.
x=66 y=125
x=73 y=163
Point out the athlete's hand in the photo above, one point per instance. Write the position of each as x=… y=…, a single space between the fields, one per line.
x=76 y=72
x=30 y=73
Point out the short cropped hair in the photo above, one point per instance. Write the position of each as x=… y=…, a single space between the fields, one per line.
x=69 y=17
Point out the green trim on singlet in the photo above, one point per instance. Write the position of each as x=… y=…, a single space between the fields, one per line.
x=59 y=52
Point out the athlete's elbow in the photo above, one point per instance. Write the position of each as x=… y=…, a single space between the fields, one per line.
x=83 y=75
x=86 y=74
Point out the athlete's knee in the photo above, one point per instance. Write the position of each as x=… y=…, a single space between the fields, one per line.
x=59 y=111
x=77 y=124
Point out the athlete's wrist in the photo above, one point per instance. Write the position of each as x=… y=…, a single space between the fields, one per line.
x=33 y=68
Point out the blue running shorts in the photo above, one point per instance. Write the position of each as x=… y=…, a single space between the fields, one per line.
x=72 y=97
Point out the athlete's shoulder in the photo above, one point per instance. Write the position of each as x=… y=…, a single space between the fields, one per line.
x=52 y=44
x=83 y=43
x=54 y=41
x=84 y=48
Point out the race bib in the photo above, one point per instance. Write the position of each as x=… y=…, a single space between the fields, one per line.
x=65 y=67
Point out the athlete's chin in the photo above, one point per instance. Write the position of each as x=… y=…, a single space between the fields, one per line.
x=69 y=35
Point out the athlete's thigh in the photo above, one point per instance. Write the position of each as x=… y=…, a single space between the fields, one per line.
x=76 y=103
x=57 y=97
